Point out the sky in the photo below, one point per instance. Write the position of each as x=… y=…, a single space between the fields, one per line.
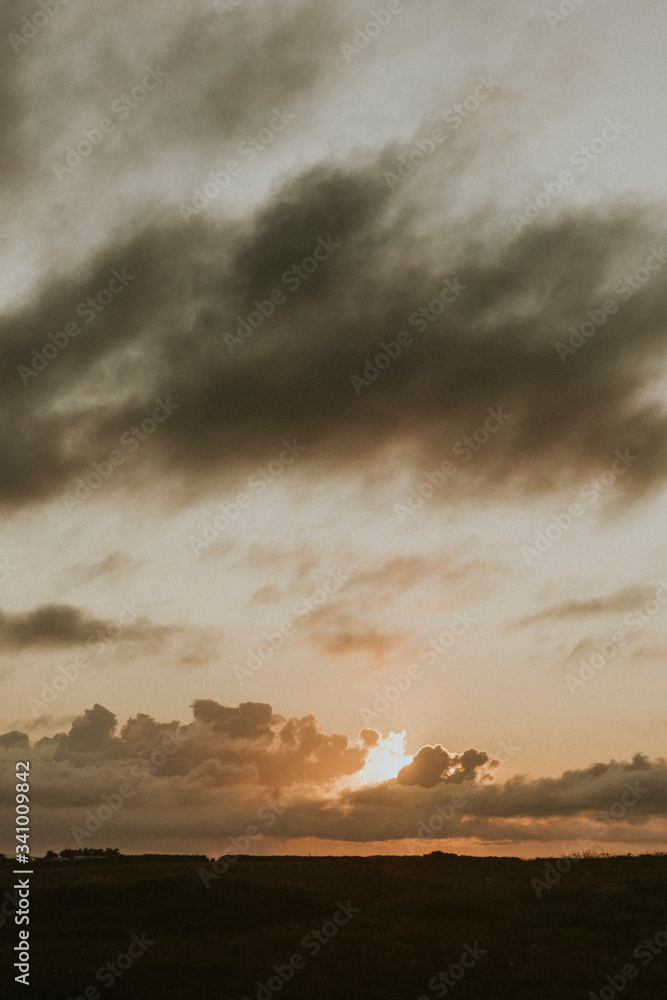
x=333 y=445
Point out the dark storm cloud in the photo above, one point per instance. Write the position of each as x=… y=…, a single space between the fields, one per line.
x=171 y=335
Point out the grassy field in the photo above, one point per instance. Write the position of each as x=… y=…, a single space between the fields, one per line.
x=380 y=928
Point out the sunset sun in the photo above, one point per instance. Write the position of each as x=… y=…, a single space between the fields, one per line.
x=384 y=761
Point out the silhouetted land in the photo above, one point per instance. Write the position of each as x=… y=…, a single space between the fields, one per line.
x=415 y=918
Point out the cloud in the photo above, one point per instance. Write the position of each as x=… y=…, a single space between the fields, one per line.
x=614 y=799
x=267 y=595
x=593 y=788
x=347 y=638
x=93 y=730
x=112 y=566
x=222 y=745
x=197 y=280
x=194 y=284
x=361 y=618
x=340 y=633
x=51 y=625
x=435 y=765
x=63 y=626
x=15 y=740
x=626 y=599
x=215 y=78
x=394 y=576
x=250 y=720
x=232 y=767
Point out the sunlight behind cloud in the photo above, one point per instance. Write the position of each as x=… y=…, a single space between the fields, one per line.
x=384 y=761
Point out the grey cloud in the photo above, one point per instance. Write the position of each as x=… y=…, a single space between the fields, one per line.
x=215 y=79
x=594 y=788
x=248 y=744
x=55 y=626
x=579 y=803
x=566 y=420
x=14 y=96
x=493 y=347
x=251 y=720
x=50 y=625
x=435 y=765
x=626 y=599
x=93 y=730
x=15 y=740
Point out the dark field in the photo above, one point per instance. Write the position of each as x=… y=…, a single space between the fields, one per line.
x=415 y=918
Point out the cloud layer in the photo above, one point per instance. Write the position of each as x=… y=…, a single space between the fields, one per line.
x=231 y=768
x=491 y=350
x=263 y=323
